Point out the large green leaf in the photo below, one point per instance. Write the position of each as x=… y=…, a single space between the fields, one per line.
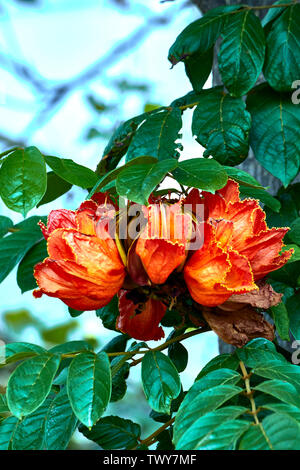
x=198 y=67
x=294 y=233
x=36 y=254
x=293 y=308
x=282 y=65
x=23 y=179
x=56 y=187
x=113 y=432
x=13 y=352
x=14 y=246
x=30 y=434
x=281 y=320
x=89 y=386
x=5 y=224
x=277 y=431
x=262 y=195
x=138 y=181
x=223 y=361
x=221 y=124
x=71 y=347
x=178 y=355
x=284 y=391
x=275 y=132
x=242 y=52
x=109 y=313
x=200 y=35
x=260 y=352
x=273 y=13
x=274 y=370
x=72 y=172
x=7 y=429
x=30 y=383
x=161 y=382
x=156 y=136
x=60 y=422
x=201 y=173
x=197 y=403
x=204 y=430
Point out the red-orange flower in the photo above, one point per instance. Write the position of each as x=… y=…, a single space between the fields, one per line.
x=162 y=244
x=84 y=268
x=140 y=320
x=238 y=247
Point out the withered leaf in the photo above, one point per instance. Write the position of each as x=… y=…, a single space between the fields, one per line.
x=239 y=326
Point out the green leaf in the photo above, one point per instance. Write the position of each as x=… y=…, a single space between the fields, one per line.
x=13 y=352
x=29 y=434
x=282 y=64
x=221 y=124
x=281 y=319
x=71 y=347
x=156 y=136
x=59 y=333
x=3 y=404
x=223 y=361
x=60 y=422
x=110 y=177
x=113 y=432
x=284 y=391
x=109 y=313
x=36 y=254
x=274 y=370
x=23 y=179
x=206 y=431
x=197 y=403
x=161 y=382
x=30 y=383
x=294 y=233
x=72 y=172
x=119 y=143
x=75 y=313
x=277 y=432
x=117 y=344
x=273 y=13
x=293 y=308
x=14 y=246
x=262 y=195
x=242 y=177
x=178 y=355
x=7 y=429
x=260 y=352
x=200 y=35
x=89 y=386
x=201 y=173
x=5 y=224
x=242 y=52
x=56 y=187
x=119 y=385
x=284 y=408
x=138 y=181
x=275 y=132
x=198 y=67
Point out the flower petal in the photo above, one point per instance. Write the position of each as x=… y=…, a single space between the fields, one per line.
x=140 y=321
x=61 y=218
x=262 y=251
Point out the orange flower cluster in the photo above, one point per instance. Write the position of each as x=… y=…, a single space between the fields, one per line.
x=85 y=269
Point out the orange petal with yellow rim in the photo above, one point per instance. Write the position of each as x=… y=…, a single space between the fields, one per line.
x=144 y=325
x=71 y=283
x=262 y=251
x=230 y=192
x=61 y=218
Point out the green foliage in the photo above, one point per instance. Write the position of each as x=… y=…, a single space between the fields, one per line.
x=242 y=52
x=89 y=386
x=30 y=383
x=23 y=179
x=36 y=254
x=56 y=187
x=200 y=173
x=113 y=432
x=72 y=172
x=221 y=124
x=275 y=134
x=283 y=47
x=160 y=379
